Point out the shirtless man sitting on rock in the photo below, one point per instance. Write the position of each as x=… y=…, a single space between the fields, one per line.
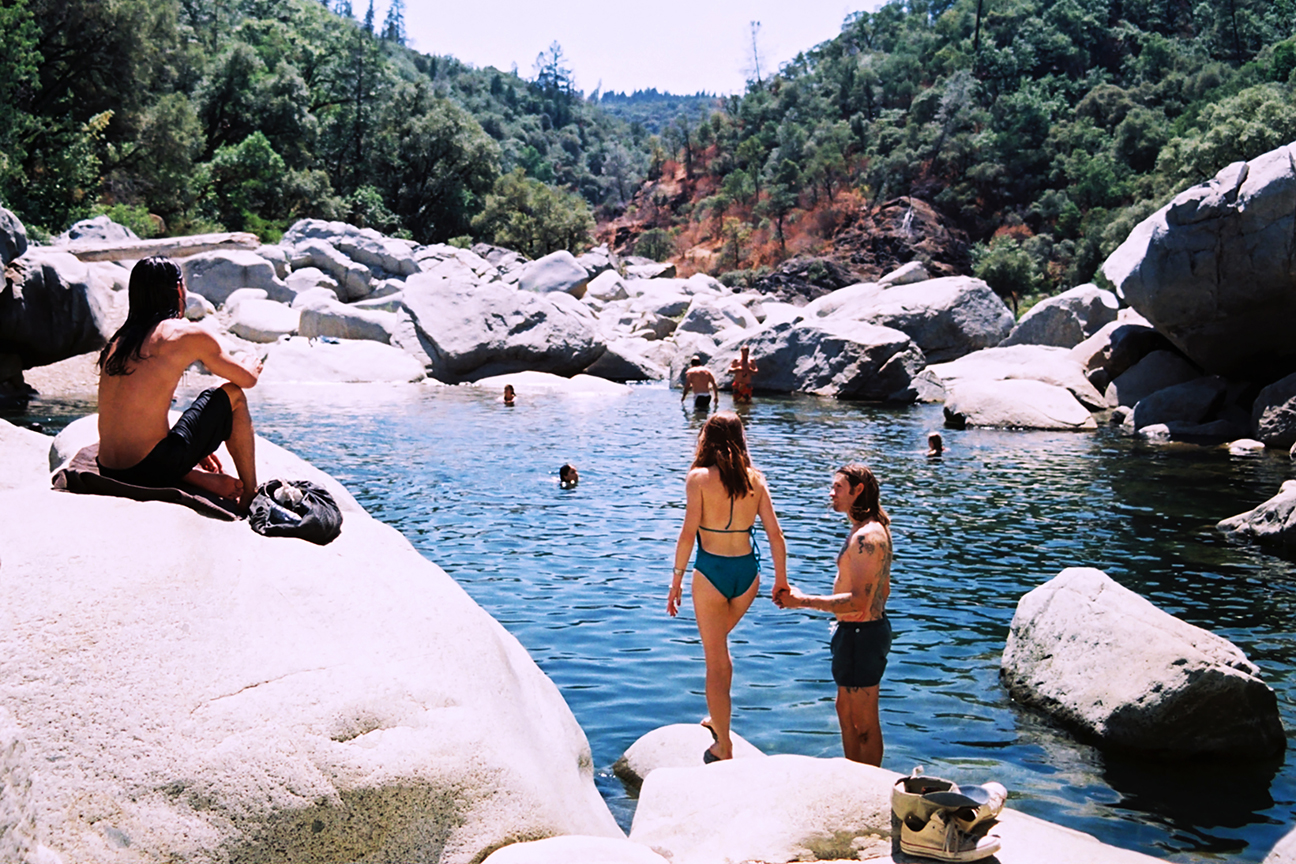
x=140 y=368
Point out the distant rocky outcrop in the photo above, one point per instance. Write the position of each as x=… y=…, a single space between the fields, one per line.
x=1103 y=660
x=1213 y=269
x=231 y=697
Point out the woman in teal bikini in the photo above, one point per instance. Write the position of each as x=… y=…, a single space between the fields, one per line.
x=725 y=495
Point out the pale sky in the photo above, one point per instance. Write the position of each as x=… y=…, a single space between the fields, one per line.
x=680 y=46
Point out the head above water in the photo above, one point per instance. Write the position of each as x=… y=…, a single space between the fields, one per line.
x=867 y=505
x=567 y=473
x=722 y=444
x=934 y=443
x=156 y=293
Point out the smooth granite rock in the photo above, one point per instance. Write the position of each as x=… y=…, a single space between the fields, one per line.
x=1284 y=851
x=1213 y=269
x=906 y=274
x=364 y=246
x=471 y=331
x=1246 y=447
x=99 y=229
x=1015 y=404
x=1192 y=402
x=1049 y=364
x=1272 y=524
x=946 y=318
x=712 y=314
x=217 y=275
x=354 y=280
x=1067 y=319
x=230 y=697
x=349 y=361
x=679 y=745
x=13 y=237
x=626 y=360
x=1102 y=659
x=51 y=308
x=557 y=271
x=576 y=850
x=1273 y=417
x=828 y=357
x=341 y=321
x=263 y=321
x=24 y=462
x=1157 y=371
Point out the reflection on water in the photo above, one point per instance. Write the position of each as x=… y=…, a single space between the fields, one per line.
x=580 y=577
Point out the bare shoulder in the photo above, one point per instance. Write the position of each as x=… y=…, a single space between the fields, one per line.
x=870 y=539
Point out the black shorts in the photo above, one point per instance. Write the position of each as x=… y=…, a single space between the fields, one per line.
x=859 y=652
x=702 y=402
x=198 y=432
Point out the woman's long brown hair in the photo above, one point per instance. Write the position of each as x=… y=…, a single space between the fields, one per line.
x=722 y=444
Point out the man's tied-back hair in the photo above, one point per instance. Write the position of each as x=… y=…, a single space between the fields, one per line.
x=868 y=505
x=154 y=297
x=722 y=444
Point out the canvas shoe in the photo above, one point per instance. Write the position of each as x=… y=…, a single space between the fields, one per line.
x=907 y=793
x=941 y=838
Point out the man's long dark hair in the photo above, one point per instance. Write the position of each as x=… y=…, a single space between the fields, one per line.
x=154 y=297
x=868 y=506
x=723 y=445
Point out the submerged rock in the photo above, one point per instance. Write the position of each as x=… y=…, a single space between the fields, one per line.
x=1104 y=660
x=181 y=689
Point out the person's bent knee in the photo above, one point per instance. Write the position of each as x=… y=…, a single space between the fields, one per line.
x=237 y=398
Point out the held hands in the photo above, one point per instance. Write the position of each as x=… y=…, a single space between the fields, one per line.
x=788 y=596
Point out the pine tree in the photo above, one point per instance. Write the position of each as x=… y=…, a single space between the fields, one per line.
x=394 y=24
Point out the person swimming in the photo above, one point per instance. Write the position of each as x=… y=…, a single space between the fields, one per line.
x=726 y=573
x=568 y=476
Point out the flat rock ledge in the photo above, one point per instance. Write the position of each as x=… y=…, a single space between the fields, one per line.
x=1272 y=524
x=799 y=808
x=1102 y=659
x=176 y=688
x=679 y=745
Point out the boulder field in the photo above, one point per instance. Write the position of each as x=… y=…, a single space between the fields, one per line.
x=182 y=689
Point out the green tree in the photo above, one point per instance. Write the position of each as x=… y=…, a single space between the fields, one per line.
x=524 y=214
x=1007 y=267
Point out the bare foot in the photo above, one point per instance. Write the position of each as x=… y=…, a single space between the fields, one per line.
x=715 y=749
x=222 y=485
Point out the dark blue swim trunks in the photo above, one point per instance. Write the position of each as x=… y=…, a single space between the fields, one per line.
x=197 y=434
x=859 y=652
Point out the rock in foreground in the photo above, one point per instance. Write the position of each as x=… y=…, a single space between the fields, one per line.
x=679 y=745
x=1102 y=659
x=179 y=689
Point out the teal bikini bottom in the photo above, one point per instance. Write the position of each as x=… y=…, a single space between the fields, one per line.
x=731 y=575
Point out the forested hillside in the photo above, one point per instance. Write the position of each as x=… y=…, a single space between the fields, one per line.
x=1020 y=139
x=248 y=114
x=1041 y=130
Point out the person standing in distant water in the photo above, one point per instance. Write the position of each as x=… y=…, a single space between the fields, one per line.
x=508 y=395
x=742 y=369
x=861 y=634
x=935 y=446
x=724 y=496
x=140 y=368
x=699 y=380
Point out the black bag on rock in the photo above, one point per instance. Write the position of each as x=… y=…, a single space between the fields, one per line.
x=295 y=508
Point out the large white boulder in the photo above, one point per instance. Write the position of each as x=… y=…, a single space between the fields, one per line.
x=1273 y=417
x=341 y=321
x=626 y=359
x=829 y=357
x=472 y=330
x=51 y=308
x=712 y=314
x=24 y=458
x=216 y=275
x=557 y=271
x=1272 y=523
x=1015 y=404
x=576 y=850
x=1049 y=364
x=1067 y=319
x=779 y=808
x=1284 y=851
x=605 y=287
x=263 y=321
x=338 y=361
x=679 y=745
x=1212 y=269
x=1104 y=660
x=178 y=688
x=308 y=279
x=98 y=229
x=362 y=245
x=354 y=280
x=947 y=317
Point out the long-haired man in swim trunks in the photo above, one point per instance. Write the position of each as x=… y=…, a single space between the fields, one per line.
x=862 y=633
x=724 y=495
x=140 y=368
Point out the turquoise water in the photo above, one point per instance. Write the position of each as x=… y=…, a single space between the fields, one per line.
x=580 y=577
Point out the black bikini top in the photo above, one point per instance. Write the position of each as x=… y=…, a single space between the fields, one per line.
x=727 y=530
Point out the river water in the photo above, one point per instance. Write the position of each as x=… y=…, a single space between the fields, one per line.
x=579 y=577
